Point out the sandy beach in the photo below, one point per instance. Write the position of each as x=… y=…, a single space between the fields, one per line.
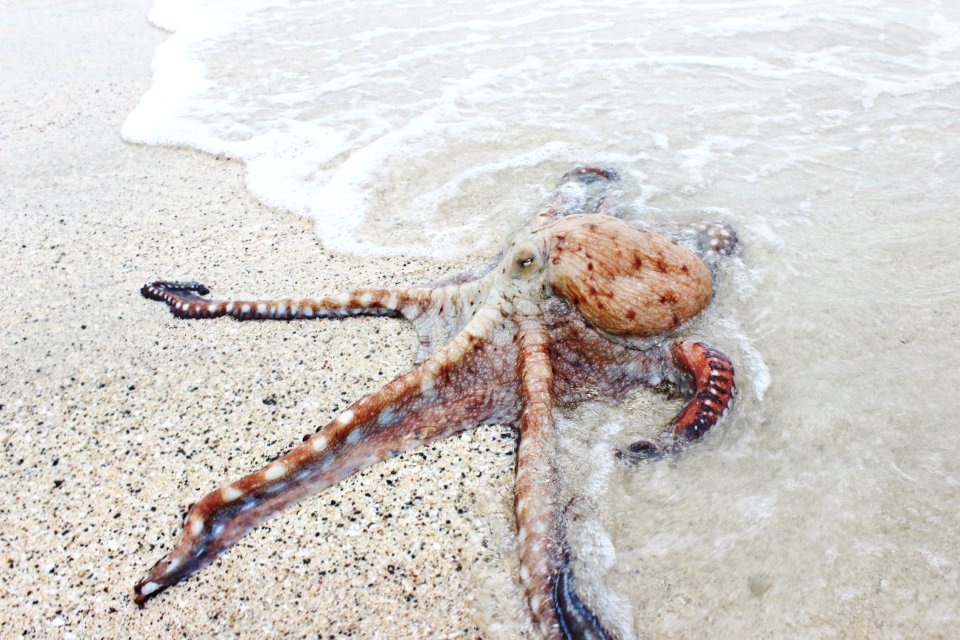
x=115 y=416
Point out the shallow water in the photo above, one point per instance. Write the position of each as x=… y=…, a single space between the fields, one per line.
x=825 y=132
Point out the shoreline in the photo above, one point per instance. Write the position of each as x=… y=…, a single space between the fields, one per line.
x=116 y=415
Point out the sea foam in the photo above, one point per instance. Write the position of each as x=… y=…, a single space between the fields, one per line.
x=402 y=129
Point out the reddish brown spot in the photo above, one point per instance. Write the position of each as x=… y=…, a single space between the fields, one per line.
x=592 y=290
x=660 y=265
x=631 y=314
x=669 y=298
x=637 y=262
x=589 y=266
x=684 y=269
x=556 y=260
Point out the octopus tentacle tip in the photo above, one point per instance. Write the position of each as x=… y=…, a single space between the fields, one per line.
x=145 y=590
x=580 y=306
x=577 y=621
x=640 y=451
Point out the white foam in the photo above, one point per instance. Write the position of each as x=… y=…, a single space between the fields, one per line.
x=420 y=132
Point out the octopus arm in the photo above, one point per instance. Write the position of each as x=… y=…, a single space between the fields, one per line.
x=713 y=394
x=712 y=374
x=545 y=569
x=187 y=300
x=461 y=386
x=710 y=241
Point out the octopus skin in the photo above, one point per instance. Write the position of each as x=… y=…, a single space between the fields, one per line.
x=580 y=305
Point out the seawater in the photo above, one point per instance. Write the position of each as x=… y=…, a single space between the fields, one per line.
x=828 y=503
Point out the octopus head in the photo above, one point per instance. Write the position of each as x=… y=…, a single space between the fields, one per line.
x=621 y=279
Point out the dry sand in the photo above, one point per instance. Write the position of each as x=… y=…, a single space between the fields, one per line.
x=115 y=415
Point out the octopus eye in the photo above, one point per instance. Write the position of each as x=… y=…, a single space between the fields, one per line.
x=525 y=261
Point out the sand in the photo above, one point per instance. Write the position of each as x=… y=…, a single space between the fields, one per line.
x=115 y=416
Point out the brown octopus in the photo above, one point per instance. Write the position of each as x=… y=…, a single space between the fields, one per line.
x=581 y=304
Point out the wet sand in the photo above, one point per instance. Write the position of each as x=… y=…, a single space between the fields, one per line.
x=115 y=416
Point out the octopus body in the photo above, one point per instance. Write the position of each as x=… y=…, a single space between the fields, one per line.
x=580 y=305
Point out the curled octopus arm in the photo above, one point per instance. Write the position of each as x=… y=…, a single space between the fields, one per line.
x=713 y=393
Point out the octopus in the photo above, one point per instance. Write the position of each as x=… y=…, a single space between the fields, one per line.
x=580 y=305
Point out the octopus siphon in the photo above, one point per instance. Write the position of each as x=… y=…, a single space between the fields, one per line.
x=581 y=304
